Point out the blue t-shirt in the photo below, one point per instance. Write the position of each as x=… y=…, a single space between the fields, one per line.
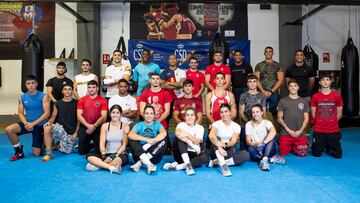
x=33 y=106
x=141 y=75
x=150 y=131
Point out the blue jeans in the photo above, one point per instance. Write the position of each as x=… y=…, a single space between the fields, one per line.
x=268 y=151
x=273 y=102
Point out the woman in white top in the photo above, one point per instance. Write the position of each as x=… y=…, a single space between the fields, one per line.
x=224 y=135
x=187 y=140
x=260 y=134
x=113 y=142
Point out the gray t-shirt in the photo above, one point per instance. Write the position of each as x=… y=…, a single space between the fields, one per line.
x=248 y=100
x=294 y=110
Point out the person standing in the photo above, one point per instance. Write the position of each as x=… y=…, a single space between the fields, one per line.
x=33 y=109
x=213 y=69
x=81 y=80
x=54 y=86
x=114 y=73
x=271 y=77
x=239 y=72
x=326 y=109
x=197 y=77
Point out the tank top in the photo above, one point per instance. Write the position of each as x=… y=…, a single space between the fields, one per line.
x=215 y=104
x=113 y=139
x=81 y=82
x=33 y=106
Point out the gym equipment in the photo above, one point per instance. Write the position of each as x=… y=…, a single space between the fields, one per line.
x=32 y=61
x=219 y=44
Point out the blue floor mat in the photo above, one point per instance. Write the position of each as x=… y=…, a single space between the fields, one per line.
x=63 y=179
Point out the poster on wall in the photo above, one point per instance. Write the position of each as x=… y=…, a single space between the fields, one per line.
x=186 y=21
x=16 y=23
x=182 y=49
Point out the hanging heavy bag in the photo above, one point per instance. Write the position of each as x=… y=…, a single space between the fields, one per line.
x=32 y=61
x=350 y=79
x=219 y=44
x=312 y=60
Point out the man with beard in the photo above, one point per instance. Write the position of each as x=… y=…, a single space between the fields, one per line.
x=212 y=70
x=114 y=73
x=55 y=85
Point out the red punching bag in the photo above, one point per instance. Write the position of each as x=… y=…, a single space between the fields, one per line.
x=32 y=61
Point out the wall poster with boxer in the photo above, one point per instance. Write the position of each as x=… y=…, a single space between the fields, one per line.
x=16 y=23
x=186 y=21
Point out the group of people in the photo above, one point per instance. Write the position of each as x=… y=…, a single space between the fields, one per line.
x=236 y=104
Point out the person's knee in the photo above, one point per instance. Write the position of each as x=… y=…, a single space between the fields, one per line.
x=316 y=153
x=37 y=152
x=336 y=154
x=284 y=150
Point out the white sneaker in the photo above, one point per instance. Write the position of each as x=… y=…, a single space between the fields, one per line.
x=189 y=170
x=170 y=166
x=225 y=171
x=136 y=167
x=91 y=167
x=115 y=169
x=213 y=163
x=150 y=168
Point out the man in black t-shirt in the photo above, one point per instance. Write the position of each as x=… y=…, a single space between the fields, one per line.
x=239 y=73
x=55 y=85
x=302 y=73
x=66 y=126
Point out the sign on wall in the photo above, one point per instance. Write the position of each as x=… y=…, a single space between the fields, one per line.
x=184 y=21
x=182 y=49
x=16 y=23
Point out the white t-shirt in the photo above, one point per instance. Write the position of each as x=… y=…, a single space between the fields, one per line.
x=116 y=73
x=258 y=132
x=126 y=103
x=81 y=82
x=196 y=131
x=224 y=132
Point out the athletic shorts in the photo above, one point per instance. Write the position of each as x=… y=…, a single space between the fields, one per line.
x=37 y=134
x=65 y=143
x=124 y=157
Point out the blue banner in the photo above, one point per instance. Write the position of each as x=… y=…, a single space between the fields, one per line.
x=162 y=49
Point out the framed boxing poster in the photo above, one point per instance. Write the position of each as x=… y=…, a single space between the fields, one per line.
x=19 y=19
x=186 y=21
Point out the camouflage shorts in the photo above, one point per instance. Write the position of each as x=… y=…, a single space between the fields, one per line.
x=65 y=143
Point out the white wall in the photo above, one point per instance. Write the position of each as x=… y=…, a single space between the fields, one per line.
x=328 y=31
x=65 y=37
x=263 y=27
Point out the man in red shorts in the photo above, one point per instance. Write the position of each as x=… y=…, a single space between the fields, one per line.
x=293 y=117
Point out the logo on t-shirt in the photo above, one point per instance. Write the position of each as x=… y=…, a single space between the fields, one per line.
x=300 y=106
x=148 y=132
x=97 y=104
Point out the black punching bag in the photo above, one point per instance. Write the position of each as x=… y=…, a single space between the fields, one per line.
x=219 y=44
x=32 y=61
x=312 y=60
x=350 y=79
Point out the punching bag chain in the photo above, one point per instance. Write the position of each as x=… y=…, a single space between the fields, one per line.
x=349 y=33
x=33 y=19
x=307 y=25
x=122 y=19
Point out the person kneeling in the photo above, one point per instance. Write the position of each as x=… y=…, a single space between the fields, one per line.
x=113 y=142
x=260 y=134
x=147 y=141
x=187 y=152
x=224 y=135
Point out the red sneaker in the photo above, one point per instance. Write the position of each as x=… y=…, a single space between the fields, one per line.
x=18 y=154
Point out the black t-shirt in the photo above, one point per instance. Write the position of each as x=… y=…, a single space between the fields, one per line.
x=57 y=85
x=239 y=74
x=66 y=115
x=302 y=75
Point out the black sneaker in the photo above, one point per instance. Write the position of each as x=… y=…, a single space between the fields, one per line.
x=19 y=154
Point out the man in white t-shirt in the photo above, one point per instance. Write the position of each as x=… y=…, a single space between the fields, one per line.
x=126 y=101
x=81 y=80
x=114 y=73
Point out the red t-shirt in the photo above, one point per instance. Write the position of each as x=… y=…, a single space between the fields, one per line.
x=198 y=78
x=181 y=104
x=213 y=69
x=326 y=111
x=92 y=107
x=158 y=101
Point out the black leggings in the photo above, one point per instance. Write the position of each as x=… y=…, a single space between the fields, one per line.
x=181 y=147
x=157 y=150
x=238 y=157
x=84 y=140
